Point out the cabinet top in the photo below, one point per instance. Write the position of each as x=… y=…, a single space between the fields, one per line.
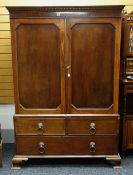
x=65 y=11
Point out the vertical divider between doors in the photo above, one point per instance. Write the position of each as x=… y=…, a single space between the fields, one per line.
x=66 y=80
x=68 y=63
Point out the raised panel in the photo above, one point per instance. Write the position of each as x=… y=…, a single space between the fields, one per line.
x=92 y=63
x=38 y=48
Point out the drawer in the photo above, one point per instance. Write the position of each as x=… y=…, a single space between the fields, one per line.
x=39 y=126
x=64 y=145
x=129 y=65
x=92 y=126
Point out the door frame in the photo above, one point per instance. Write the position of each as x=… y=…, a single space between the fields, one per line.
x=117 y=26
x=15 y=23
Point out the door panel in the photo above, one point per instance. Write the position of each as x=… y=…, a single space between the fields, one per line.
x=39 y=62
x=92 y=65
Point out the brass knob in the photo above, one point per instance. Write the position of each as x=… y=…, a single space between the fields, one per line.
x=130 y=70
x=40 y=126
x=41 y=147
x=130 y=64
x=92 y=147
x=92 y=128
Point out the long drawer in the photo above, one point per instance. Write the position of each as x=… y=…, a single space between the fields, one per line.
x=63 y=145
x=92 y=125
x=39 y=126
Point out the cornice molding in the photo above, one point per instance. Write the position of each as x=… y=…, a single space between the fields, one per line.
x=64 y=8
x=65 y=11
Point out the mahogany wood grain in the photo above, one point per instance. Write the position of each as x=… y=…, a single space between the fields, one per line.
x=95 y=68
x=29 y=126
x=82 y=126
x=128 y=133
x=66 y=11
x=66 y=62
x=66 y=145
x=38 y=62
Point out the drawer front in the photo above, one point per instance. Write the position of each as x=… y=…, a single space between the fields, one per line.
x=129 y=66
x=92 y=126
x=39 y=145
x=129 y=134
x=39 y=126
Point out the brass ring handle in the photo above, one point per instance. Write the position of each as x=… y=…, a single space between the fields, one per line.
x=40 y=126
x=130 y=64
x=41 y=147
x=92 y=128
x=92 y=147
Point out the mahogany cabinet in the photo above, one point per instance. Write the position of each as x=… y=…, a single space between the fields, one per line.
x=126 y=83
x=66 y=81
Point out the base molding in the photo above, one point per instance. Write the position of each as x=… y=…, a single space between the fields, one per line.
x=18 y=159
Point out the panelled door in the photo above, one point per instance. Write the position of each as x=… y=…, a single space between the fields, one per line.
x=93 y=65
x=39 y=74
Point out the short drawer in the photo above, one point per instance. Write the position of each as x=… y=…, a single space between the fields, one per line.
x=39 y=126
x=92 y=126
x=129 y=65
x=40 y=145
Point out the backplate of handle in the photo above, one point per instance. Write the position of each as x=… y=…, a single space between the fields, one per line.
x=68 y=71
x=40 y=126
x=92 y=147
x=41 y=147
x=92 y=128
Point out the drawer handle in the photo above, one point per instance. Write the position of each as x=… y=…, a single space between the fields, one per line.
x=40 y=126
x=92 y=128
x=92 y=147
x=41 y=147
x=130 y=64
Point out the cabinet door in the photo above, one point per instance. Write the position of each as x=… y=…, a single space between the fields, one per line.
x=93 y=65
x=38 y=62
